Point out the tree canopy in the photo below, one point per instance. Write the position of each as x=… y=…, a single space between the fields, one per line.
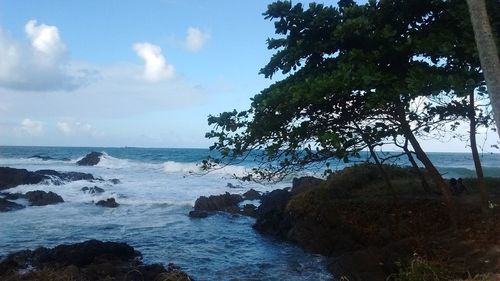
x=353 y=74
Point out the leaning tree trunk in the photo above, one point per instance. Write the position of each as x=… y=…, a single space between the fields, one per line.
x=414 y=164
x=377 y=162
x=488 y=53
x=386 y=177
x=429 y=166
x=475 y=155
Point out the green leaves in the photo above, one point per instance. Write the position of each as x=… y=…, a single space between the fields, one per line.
x=353 y=74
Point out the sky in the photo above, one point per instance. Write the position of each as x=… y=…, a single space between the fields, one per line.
x=131 y=73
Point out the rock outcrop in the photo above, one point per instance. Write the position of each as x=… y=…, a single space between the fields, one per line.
x=222 y=203
x=42 y=198
x=90 y=159
x=229 y=203
x=6 y=205
x=271 y=216
x=304 y=184
x=115 y=181
x=198 y=214
x=252 y=194
x=108 y=203
x=46 y=158
x=92 y=190
x=11 y=177
x=89 y=260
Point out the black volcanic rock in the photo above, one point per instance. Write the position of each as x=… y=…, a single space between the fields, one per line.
x=6 y=205
x=10 y=177
x=92 y=190
x=224 y=202
x=12 y=196
x=90 y=159
x=42 y=198
x=304 y=184
x=271 y=216
x=108 y=203
x=252 y=194
x=198 y=214
x=79 y=254
x=46 y=158
x=115 y=181
x=66 y=176
x=89 y=260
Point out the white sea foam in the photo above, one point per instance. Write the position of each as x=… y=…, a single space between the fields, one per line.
x=173 y=167
x=110 y=162
x=195 y=168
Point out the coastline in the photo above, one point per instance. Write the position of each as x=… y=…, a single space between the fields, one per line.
x=299 y=222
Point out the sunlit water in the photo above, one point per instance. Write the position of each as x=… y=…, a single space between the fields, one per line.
x=156 y=193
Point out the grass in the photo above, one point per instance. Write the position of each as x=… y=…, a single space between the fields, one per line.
x=420 y=269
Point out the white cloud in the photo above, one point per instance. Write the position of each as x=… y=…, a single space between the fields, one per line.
x=32 y=127
x=155 y=65
x=45 y=39
x=74 y=128
x=196 y=39
x=39 y=66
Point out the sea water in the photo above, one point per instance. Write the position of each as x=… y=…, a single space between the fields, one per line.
x=157 y=189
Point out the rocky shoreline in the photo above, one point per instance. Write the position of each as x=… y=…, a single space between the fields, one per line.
x=90 y=260
x=348 y=218
x=12 y=177
x=373 y=238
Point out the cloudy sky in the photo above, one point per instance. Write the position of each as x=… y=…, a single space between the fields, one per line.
x=129 y=73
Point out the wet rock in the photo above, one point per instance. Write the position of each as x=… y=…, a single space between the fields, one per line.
x=84 y=253
x=249 y=210
x=198 y=214
x=115 y=181
x=46 y=158
x=6 y=205
x=90 y=159
x=271 y=216
x=230 y=185
x=92 y=190
x=10 y=177
x=304 y=184
x=223 y=202
x=108 y=203
x=252 y=194
x=12 y=196
x=89 y=260
x=67 y=176
x=42 y=198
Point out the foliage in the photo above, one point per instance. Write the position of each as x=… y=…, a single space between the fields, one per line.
x=420 y=269
x=362 y=175
x=352 y=75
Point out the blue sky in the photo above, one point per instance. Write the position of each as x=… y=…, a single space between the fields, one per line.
x=129 y=73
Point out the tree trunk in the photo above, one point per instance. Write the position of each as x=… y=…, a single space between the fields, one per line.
x=488 y=53
x=423 y=181
x=383 y=172
x=433 y=172
x=475 y=155
x=377 y=161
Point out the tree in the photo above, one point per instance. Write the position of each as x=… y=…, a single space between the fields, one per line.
x=352 y=75
x=488 y=53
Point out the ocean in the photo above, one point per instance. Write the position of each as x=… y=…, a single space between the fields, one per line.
x=158 y=189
